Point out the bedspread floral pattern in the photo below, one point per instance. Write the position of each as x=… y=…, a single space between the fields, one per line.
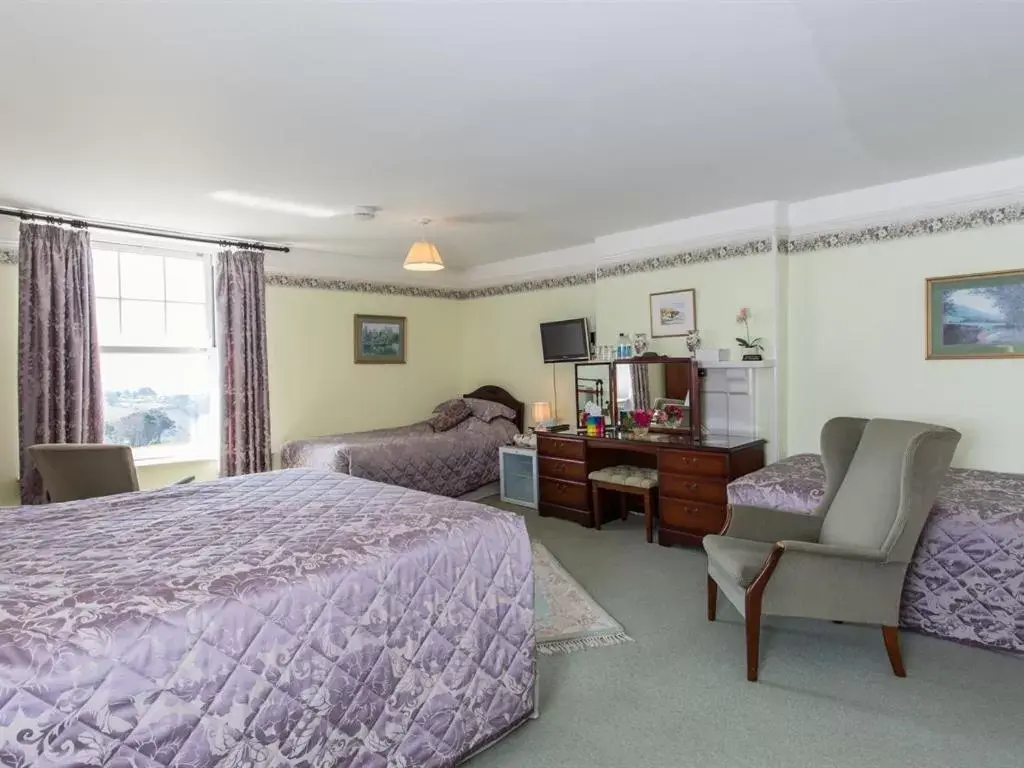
x=966 y=580
x=286 y=618
x=446 y=463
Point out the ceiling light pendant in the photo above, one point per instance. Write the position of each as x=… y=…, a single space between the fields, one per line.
x=423 y=256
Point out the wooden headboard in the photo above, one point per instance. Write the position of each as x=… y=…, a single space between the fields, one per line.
x=496 y=394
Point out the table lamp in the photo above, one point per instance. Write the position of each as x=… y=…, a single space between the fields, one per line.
x=541 y=415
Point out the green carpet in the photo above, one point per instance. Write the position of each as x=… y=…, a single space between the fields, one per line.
x=678 y=696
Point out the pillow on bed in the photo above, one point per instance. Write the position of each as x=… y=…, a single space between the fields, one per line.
x=454 y=413
x=485 y=410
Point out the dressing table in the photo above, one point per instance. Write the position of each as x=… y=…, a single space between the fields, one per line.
x=693 y=468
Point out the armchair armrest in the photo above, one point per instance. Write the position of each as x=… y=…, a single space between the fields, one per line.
x=770 y=525
x=832 y=550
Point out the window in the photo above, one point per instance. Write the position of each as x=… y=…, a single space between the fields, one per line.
x=155 y=316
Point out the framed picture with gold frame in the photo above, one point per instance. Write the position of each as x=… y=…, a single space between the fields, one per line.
x=379 y=339
x=673 y=313
x=975 y=316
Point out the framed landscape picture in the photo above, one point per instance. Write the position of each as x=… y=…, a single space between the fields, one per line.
x=975 y=316
x=673 y=313
x=379 y=339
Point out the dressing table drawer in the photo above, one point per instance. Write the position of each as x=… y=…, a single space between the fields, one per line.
x=562 y=448
x=562 y=469
x=691 y=516
x=693 y=488
x=563 y=493
x=693 y=463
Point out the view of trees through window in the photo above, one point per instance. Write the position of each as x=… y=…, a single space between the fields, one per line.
x=157 y=357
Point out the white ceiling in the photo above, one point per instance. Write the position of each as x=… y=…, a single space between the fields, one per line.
x=523 y=127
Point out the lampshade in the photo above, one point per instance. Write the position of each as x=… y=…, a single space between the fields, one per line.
x=423 y=257
x=541 y=412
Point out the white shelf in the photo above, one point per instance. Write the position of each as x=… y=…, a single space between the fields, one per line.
x=739 y=364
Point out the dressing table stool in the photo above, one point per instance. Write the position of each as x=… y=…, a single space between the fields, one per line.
x=626 y=480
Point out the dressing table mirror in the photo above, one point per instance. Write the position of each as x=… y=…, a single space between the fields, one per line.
x=593 y=385
x=652 y=383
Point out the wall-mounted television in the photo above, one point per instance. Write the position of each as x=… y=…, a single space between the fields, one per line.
x=565 y=340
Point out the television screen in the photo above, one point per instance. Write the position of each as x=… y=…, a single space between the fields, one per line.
x=565 y=340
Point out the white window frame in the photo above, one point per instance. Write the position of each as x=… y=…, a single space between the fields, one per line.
x=171 y=454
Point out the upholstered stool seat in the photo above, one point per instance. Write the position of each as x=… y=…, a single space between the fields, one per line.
x=626 y=480
x=638 y=477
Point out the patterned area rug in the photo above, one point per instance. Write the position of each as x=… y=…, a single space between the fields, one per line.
x=567 y=618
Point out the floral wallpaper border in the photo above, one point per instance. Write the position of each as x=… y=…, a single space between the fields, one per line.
x=697 y=256
x=360 y=286
x=931 y=225
x=1012 y=213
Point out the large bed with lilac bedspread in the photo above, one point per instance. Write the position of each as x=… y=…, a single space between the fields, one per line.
x=449 y=463
x=966 y=581
x=298 y=617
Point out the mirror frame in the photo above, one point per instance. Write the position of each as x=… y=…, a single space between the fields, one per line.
x=580 y=421
x=694 y=389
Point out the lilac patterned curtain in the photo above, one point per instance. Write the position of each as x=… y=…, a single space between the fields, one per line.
x=60 y=399
x=242 y=347
x=641 y=378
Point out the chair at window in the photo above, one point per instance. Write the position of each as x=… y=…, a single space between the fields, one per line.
x=75 y=471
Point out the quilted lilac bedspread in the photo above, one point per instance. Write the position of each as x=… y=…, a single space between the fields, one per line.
x=446 y=463
x=966 y=581
x=298 y=617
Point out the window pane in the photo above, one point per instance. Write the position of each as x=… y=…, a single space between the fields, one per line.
x=186 y=325
x=142 y=276
x=186 y=280
x=109 y=321
x=104 y=273
x=158 y=400
x=142 y=323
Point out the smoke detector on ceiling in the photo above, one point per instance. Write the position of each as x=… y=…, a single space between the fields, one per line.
x=365 y=212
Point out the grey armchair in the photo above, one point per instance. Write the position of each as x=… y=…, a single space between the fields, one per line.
x=847 y=561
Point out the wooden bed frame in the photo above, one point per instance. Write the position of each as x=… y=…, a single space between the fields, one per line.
x=497 y=394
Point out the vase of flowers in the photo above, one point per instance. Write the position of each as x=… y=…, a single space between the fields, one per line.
x=674 y=415
x=752 y=348
x=693 y=342
x=641 y=422
x=640 y=344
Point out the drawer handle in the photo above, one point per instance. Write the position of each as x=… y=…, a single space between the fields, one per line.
x=690 y=486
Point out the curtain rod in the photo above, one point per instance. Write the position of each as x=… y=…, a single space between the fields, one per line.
x=82 y=223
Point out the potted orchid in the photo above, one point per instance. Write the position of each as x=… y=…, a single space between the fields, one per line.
x=753 y=347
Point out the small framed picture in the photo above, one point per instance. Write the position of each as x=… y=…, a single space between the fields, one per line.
x=975 y=316
x=379 y=339
x=673 y=313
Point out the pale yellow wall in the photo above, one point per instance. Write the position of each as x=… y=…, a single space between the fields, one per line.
x=722 y=288
x=857 y=344
x=316 y=389
x=500 y=344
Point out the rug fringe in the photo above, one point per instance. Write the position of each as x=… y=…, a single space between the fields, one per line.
x=559 y=647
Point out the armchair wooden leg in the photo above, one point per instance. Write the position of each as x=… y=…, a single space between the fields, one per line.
x=752 y=603
x=891 y=636
x=753 y=620
x=712 y=599
x=597 y=507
